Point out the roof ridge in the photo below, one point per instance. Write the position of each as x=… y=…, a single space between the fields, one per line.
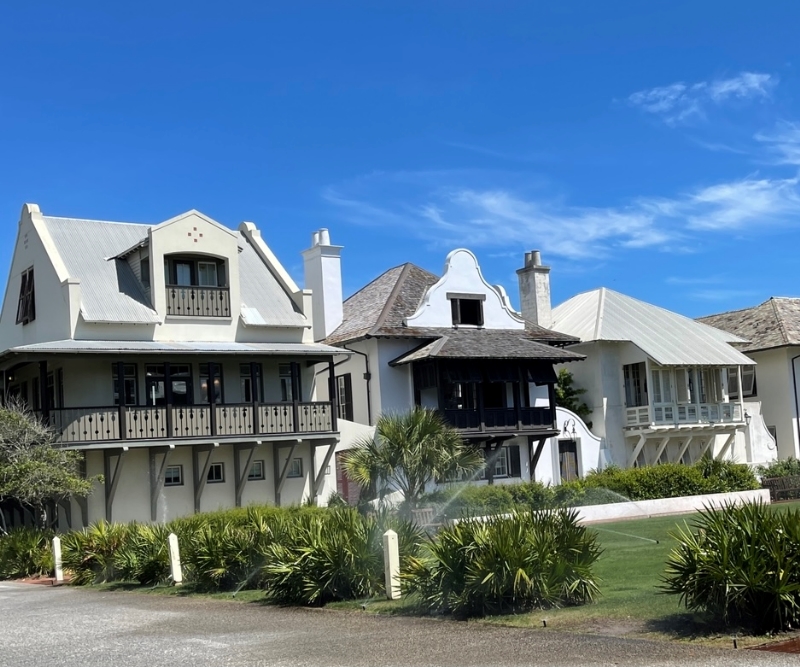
x=387 y=306
x=374 y=280
x=779 y=319
x=601 y=302
x=105 y=222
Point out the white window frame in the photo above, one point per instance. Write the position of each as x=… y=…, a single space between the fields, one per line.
x=206 y=266
x=258 y=466
x=295 y=468
x=213 y=477
x=167 y=477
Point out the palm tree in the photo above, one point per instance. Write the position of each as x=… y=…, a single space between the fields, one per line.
x=410 y=450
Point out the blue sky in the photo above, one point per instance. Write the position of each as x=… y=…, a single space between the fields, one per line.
x=650 y=147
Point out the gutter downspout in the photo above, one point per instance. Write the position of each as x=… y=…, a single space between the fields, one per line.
x=796 y=403
x=367 y=378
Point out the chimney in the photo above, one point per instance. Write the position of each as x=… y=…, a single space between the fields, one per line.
x=322 y=265
x=534 y=290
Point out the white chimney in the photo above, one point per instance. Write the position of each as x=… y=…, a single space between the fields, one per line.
x=534 y=290
x=323 y=276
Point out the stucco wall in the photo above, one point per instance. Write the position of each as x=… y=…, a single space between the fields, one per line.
x=775 y=389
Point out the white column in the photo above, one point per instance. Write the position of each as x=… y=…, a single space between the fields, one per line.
x=175 y=560
x=391 y=564
x=58 y=565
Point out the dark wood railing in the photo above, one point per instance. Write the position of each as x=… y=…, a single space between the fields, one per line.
x=103 y=424
x=499 y=419
x=197 y=301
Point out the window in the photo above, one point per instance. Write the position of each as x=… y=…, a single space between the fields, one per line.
x=748 y=382
x=662 y=387
x=55 y=389
x=190 y=271
x=130 y=385
x=26 y=308
x=144 y=272
x=173 y=476
x=216 y=473
x=246 y=379
x=506 y=463
x=180 y=384
x=467 y=311
x=36 y=402
x=295 y=468
x=344 y=396
x=459 y=396
x=256 y=471
x=217 y=382
x=635 y=388
x=494 y=394
x=288 y=389
x=683 y=385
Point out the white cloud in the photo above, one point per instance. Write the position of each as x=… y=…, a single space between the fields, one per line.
x=499 y=217
x=783 y=143
x=679 y=102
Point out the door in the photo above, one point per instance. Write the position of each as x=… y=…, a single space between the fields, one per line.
x=568 y=459
x=347 y=489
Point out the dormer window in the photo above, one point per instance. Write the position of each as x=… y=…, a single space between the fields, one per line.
x=467 y=309
x=197 y=286
x=26 y=308
x=195 y=271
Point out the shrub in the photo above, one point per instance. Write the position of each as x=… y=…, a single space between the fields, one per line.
x=785 y=468
x=741 y=565
x=338 y=556
x=90 y=553
x=143 y=556
x=26 y=552
x=528 y=560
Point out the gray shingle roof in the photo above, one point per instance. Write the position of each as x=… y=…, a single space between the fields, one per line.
x=110 y=292
x=774 y=323
x=485 y=344
x=668 y=338
x=379 y=308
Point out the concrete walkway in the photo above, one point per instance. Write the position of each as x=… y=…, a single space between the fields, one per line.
x=71 y=627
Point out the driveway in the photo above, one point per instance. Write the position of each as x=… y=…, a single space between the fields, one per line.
x=71 y=627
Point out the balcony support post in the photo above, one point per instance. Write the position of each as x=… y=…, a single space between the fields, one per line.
x=280 y=478
x=255 y=396
x=123 y=431
x=517 y=387
x=112 y=476
x=709 y=445
x=684 y=449
x=168 y=399
x=212 y=397
x=157 y=478
x=726 y=446
x=551 y=397
x=661 y=447
x=295 y=368
x=43 y=392
x=481 y=410
x=536 y=453
x=325 y=463
x=199 y=477
x=636 y=450
x=332 y=396
x=242 y=472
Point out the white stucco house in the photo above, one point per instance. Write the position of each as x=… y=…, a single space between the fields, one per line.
x=178 y=357
x=661 y=387
x=451 y=342
x=772 y=332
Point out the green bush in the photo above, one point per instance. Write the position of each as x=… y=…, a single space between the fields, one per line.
x=740 y=565
x=143 y=555
x=785 y=468
x=502 y=565
x=89 y=554
x=26 y=552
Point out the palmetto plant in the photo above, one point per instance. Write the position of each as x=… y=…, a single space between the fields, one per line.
x=89 y=553
x=741 y=565
x=506 y=564
x=25 y=552
x=410 y=450
x=144 y=555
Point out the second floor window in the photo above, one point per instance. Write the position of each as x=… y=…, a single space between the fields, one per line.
x=250 y=392
x=635 y=384
x=193 y=271
x=467 y=311
x=205 y=381
x=129 y=385
x=344 y=396
x=26 y=308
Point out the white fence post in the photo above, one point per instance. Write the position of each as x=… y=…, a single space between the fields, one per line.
x=58 y=565
x=175 y=560
x=391 y=564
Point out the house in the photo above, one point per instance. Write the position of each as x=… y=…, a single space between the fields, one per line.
x=772 y=330
x=454 y=343
x=178 y=357
x=660 y=386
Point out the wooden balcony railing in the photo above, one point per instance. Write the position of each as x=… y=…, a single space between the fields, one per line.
x=689 y=413
x=103 y=424
x=499 y=419
x=197 y=301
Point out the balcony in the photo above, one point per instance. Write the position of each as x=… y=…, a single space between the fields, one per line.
x=111 y=424
x=500 y=419
x=195 y=301
x=677 y=414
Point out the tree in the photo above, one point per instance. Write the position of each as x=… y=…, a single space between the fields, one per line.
x=33 y=471
x=569 y=396
x=409 y=451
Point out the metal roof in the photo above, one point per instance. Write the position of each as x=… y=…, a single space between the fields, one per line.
x=157 y=347
x=92 y=252
x=668 y=338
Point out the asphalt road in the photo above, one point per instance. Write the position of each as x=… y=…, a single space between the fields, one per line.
x=70 y=627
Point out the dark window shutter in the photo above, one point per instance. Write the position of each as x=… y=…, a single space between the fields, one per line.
x=513 y=456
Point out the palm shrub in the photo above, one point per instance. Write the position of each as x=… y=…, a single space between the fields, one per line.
x=25 y=552
x=222 y=557
x=90 y=553
x=143 y=556
x=741 y=565
x=784 y=468
x=509 y=564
